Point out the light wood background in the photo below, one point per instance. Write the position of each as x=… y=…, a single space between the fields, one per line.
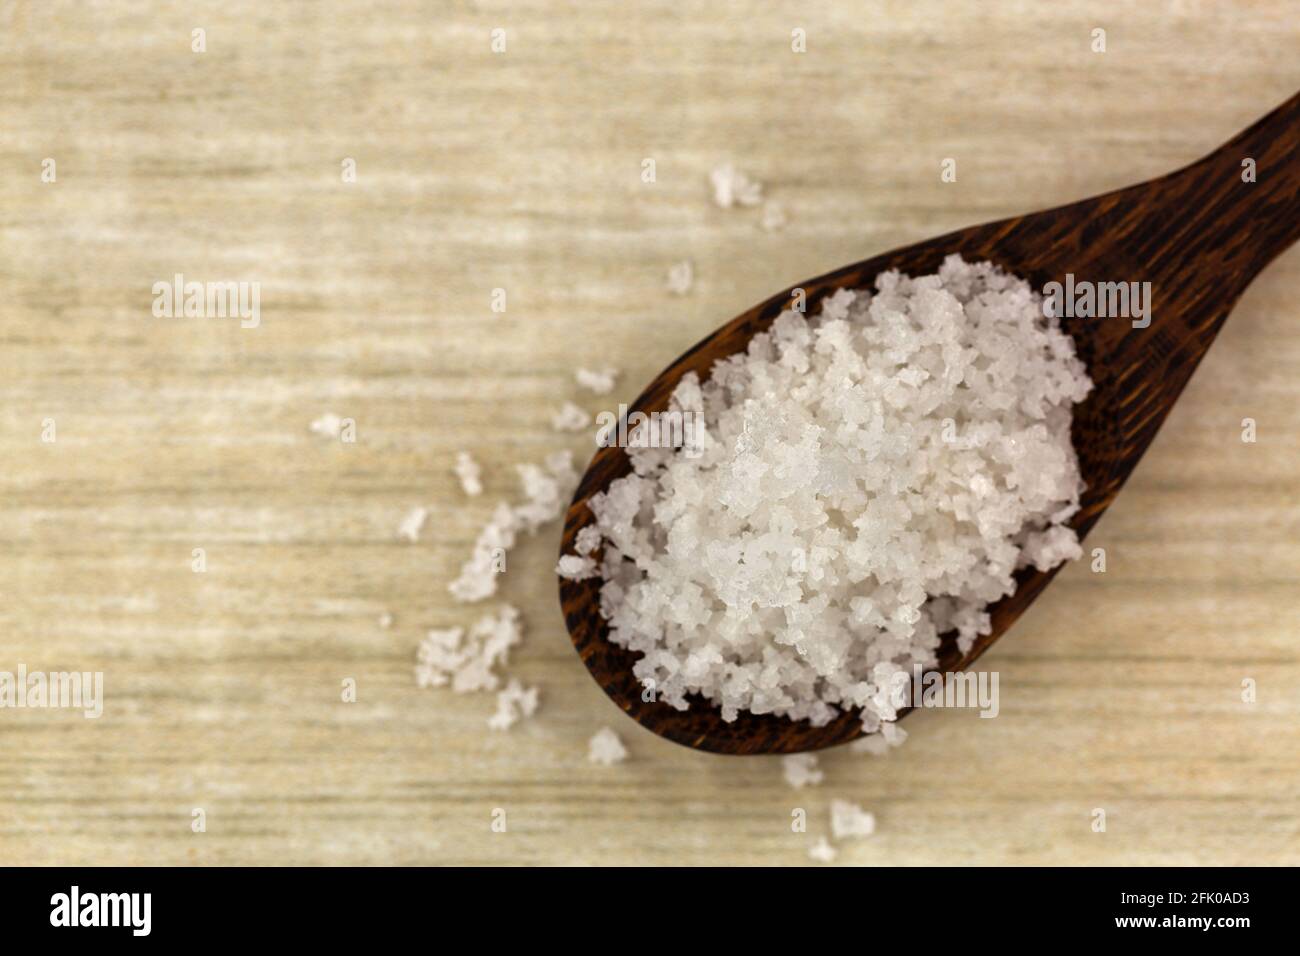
x=521 y=170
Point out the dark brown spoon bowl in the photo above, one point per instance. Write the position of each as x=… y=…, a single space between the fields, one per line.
x=1199 y=235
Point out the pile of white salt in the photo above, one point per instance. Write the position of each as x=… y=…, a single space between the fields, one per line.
x=867 y=479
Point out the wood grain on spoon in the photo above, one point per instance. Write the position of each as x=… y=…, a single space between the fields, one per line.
x=1199 y=236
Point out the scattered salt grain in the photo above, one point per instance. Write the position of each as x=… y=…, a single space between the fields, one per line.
x=467 y=470
x=513 y=704
x=468 y=661
x=328 y=425
x=576 y=568
x=1046 y=549
x=850 y=821
x=605 y=748
x=731 y=187
x=570 y=418
x=681 y=277
x=820 y=543
x=411 y=524
x=478 y=575
x=601 y=381
x=773 y=216
x=822 y=851
x=547 y=490
x=800 y=770
x=588 y=539
x=385 y=620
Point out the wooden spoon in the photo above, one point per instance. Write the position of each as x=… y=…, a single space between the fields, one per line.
x=1199 y=236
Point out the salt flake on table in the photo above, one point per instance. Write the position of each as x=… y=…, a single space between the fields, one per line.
x=800 y=770
x=731 y=187
x=411 y=524
x=822 y=851
x=467 y=471
x=514 y=703
x=605 y=748
x=850 y=821
x=328 y=425
x=601 y=380
x=570 y=418
x=468 y=661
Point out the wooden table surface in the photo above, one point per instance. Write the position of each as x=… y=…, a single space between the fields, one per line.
x=521 y=170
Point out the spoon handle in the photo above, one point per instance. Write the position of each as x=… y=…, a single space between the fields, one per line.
x=1238 y=208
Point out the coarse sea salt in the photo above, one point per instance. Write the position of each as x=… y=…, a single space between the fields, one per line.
x=411 y=525
x=800 y=770
x=587 y=540
x=576 y=568
x=468 y=661
x=513 y=704
x=329 y=425
x=605 y=748
x=822 y=851
x=850 y=821
x=600 y=380
x=547 y=490
x=468 y=473
x=731 y=187
x=570 y=418
x=867 y=479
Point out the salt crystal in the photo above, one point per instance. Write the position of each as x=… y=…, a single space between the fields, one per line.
x=848 y=820
x=1046 y=549
x=606 y=748
x=438 y=657
x=385 y=620
x=546 y=495
x=894 y=735
x=513 y=704
x=587 y=540
x=328 y=425
x=570 y=418
x=478 y=576
x=601 y=381
x=731 y=187
x=468 y=661
x=467 y=470
x=411 y=524
x=547 y=490
x=822 y=851
x=576 y=568
x=800 y=770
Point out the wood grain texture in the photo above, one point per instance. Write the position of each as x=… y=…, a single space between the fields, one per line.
x=521 y=171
